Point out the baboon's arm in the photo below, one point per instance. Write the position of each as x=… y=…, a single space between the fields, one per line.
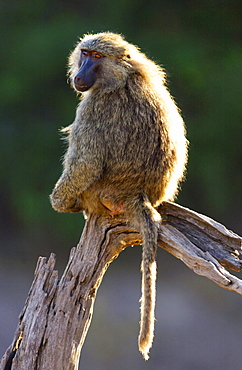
x=83 y=165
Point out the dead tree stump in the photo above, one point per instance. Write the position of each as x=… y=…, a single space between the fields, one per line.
x=55 y=319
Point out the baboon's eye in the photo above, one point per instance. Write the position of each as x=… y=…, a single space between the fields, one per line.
x=84 y=53
x=97 y=55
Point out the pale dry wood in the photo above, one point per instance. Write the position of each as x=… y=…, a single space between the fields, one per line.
x=57 y=314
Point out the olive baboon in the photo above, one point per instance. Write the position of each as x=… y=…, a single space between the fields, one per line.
x=127 y=147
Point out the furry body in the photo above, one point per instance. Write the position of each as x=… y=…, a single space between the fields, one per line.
x=127 y=150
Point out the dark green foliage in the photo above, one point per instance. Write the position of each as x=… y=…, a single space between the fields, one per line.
x=198 y=43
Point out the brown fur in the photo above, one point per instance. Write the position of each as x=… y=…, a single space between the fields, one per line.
x=127 y=151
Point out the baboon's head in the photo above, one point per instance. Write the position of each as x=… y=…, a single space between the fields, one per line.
x=101 y=61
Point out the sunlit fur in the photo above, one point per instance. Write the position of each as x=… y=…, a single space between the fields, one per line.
x=127 y=150
x=123 y=61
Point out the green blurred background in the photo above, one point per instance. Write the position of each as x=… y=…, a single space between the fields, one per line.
x=200 y=45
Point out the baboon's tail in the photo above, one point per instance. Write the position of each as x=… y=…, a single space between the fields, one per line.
x=147 y=217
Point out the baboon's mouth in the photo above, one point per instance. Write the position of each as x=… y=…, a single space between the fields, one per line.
x=81 y=87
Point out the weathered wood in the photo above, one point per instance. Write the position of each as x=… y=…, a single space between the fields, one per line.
x=203 y=244
x=57 y=313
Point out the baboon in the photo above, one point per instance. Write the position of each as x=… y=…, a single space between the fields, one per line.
x=127 y=148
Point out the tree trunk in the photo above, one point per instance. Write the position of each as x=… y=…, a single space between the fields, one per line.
x=57 y=313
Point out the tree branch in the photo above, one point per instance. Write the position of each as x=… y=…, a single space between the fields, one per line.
x=55 y=319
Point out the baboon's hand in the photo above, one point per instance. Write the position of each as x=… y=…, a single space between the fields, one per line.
x=64 y=199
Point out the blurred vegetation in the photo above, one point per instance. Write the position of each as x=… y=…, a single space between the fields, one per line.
x=198 y=43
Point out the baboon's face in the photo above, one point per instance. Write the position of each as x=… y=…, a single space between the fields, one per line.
x=89 y=64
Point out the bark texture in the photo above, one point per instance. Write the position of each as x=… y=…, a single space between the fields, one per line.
x=55 y=319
